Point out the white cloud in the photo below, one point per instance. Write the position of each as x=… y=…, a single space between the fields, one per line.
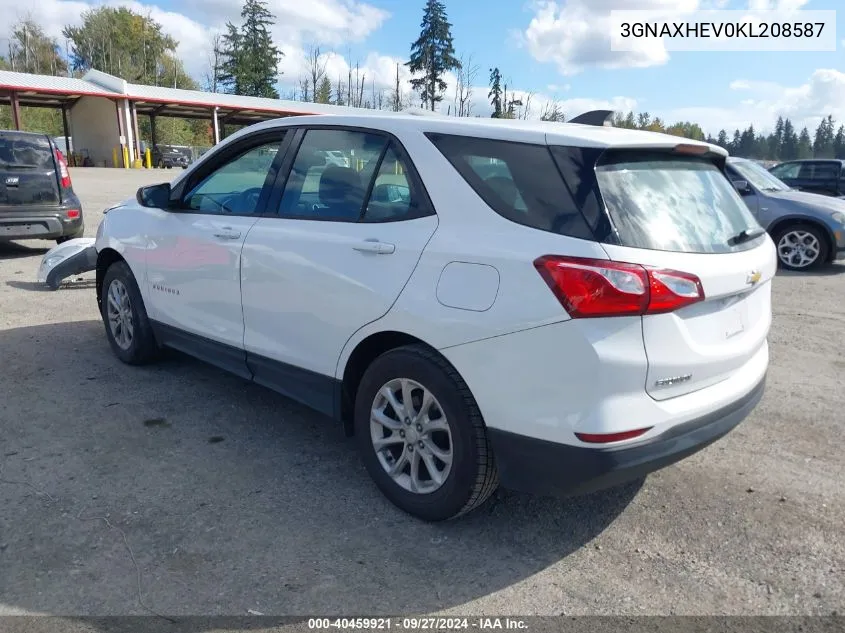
x=576 y=34
x=763 y=102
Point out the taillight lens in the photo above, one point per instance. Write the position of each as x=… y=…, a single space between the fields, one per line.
x=64 y=174
x=72 y=214
x=603 y=288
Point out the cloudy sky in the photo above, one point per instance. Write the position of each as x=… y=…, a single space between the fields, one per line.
x=557 y=50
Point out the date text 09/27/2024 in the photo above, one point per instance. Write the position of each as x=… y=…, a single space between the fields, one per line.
x=417 y=623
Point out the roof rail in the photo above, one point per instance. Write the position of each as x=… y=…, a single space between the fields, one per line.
x=595 y=117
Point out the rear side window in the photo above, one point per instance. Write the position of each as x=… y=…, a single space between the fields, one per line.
x=18 y=150
x=672 y=203
x=519 y=181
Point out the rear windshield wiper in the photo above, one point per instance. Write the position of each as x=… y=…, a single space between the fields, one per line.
x=746 y=235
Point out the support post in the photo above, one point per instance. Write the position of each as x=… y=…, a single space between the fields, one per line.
x=66 y=129
x=130 y=151
x=216 y=125
x=16 y=109
x=138 y=154
x=120 y=130
x=153 y=140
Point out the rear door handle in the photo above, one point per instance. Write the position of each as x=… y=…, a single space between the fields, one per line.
x=374 y=246
x=227 y=233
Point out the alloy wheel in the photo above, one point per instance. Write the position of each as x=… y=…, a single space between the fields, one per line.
x=411 y=436
x=119 y=312
x=798 y=248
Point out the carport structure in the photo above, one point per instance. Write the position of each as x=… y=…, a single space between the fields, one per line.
x=89 y=103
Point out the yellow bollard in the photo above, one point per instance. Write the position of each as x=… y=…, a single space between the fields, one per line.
x=114 y=156
x=125 y=157
x=148 y=158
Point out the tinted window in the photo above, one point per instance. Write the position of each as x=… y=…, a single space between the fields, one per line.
x=236 y=186
x=787 y=170
x=331 y=174
x=669 y=203
x=22 y=151
x=519 y=181
x=824 y=171
x=393 y=196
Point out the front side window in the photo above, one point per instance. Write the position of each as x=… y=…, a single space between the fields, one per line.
x=330 y=175
x=668 y=203
x=235 y=187
x=787 y=170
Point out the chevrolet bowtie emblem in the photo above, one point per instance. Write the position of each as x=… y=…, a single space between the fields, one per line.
x=753 y=277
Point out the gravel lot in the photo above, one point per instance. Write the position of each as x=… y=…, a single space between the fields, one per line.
x=182 y=490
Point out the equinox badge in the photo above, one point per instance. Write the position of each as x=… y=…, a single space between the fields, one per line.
x=753 y=277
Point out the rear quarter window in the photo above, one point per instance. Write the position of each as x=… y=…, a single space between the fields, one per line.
x=519 y=181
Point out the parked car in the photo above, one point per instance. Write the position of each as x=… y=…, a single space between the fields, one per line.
x=36 y=195
x=557 y=325
x=808 y=228
x=823 y=176
x=169 y=156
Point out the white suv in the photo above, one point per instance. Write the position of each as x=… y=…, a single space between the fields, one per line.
x=556 y=307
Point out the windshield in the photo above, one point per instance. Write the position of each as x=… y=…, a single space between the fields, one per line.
x=669 y=203
x=757 y=176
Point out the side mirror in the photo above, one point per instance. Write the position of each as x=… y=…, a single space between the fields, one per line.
x=742 y=186
x=154 y=196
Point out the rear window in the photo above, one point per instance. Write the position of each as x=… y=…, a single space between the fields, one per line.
x=25 y=151
x=519 y=181
x=669 y=203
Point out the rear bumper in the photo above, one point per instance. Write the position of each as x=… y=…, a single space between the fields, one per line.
x=548 y=468
x=39 y=224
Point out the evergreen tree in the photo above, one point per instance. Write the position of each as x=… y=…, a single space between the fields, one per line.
x=495 y=94
x=839 y=143
x=825 y=134
x=736 y=144
x=805 y=145
x=722 y=140
x=433 y=54
x=789 y=149
x=250 y=60
x=324 y=91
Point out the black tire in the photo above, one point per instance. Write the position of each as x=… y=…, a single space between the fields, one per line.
x=473 y=476
x=143 y=348
x=817 y=233
x=65 y=238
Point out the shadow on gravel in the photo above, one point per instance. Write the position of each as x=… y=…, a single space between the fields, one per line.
x=13 y=250
x=178 y=489
x=68 y=284
x=828 y=270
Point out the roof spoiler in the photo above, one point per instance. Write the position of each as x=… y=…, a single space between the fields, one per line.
x=595 y=117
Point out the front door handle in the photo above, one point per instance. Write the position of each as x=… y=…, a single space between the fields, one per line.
x=227 y=233
x=375 y=246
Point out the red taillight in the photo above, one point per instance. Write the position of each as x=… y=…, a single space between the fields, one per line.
x=72 y=214
x=63 y=172
x=603 y=288
x=606 y=438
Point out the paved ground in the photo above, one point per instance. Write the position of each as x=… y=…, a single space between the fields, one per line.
x=182 y=490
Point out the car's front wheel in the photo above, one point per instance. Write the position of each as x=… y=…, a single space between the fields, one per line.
x=127 y=327
x=422 y=436
x=801 y=247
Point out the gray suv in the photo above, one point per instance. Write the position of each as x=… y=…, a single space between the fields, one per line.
x=808 y=229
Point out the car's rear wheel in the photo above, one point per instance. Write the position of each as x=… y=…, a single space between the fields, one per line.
x=801 y=247
x=127 y=327
x=422 y=436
